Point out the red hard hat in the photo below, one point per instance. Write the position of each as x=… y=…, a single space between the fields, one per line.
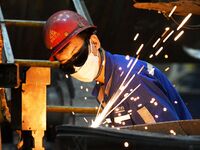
x=61 y=27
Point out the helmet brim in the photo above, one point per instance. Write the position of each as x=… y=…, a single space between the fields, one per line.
x=67 y=40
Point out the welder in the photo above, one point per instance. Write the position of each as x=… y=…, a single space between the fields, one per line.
x=73 y=42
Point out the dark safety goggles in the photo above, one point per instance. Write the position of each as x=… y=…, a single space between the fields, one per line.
x=77 y=60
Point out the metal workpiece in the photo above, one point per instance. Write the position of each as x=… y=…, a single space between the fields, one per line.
x=24 y=23
x=34 y=103
x=37 y=63
x=67 y=109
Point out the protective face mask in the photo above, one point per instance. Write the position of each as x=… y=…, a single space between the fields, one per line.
x=90 y=69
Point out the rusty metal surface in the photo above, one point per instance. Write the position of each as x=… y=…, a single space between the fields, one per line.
x=67 y=109
x=38 y=141
x=34 y=99
x=183 y=6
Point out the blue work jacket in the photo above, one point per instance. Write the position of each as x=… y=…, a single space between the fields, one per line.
x=150 y=97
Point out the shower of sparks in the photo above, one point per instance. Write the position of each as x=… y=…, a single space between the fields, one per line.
x=99 y=108
x=178 y=35
x=140 y=48
x=166 y=30
x=123 y=100
x=184 y=21
x=85 y=120
x=160 y=49
x=172 y=11
x=136 y=36
x=166 y=69
x=175 y=102
x=110 y=103
x=151 y=56
x=158 y=40
x=126 y=144
x=168 y=36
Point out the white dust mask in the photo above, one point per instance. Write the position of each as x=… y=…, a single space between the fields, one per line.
x=88 y=72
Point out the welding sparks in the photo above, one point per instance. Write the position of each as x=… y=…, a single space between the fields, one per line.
x=130 y=62
x=160 y=49
x=140 y=48
x=151 y=56
x=184 y=21
x=154 y=45
x=168 y=36
x=127 y=57
x=166 y=69
x=166 y=30
x=85 y=120
x=67 y=76
x=166 y=56
x=136 y=36
x=110 y=103
x=179 y=35
x=126 y=144
x=140 y=69
x=172 y=132
x=172 y=11
x=122 y=74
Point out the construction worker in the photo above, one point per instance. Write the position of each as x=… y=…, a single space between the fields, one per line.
x=144 y=93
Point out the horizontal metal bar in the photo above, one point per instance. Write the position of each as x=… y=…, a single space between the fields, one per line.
x=67 y=109
x=37 y=63
x=26 y=23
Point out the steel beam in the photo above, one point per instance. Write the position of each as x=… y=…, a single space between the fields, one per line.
x=37 y=63
x=82 y=10
x=67 y=109
x=26 y=23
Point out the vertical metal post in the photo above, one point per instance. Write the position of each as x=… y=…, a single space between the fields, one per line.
x=82 y=10
x=7 y=47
